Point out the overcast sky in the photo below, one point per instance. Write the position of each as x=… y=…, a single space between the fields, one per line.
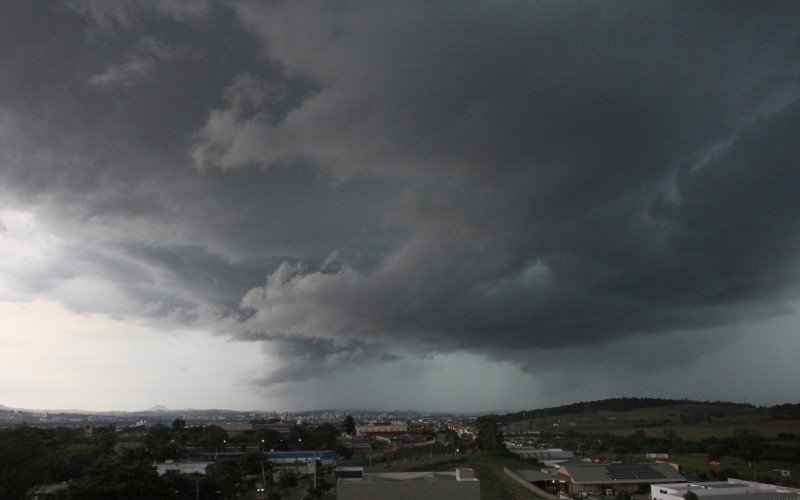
x=467 y=205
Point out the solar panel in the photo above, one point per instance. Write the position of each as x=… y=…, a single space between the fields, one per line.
x=637 y=471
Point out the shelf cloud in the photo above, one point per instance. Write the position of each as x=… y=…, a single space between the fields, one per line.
x=356 y=183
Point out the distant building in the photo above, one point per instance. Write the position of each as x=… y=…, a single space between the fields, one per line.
x=382 y=429
x=732 y=489
x=181 y=467
x=358 y=449
x=282 y=427
x=294 y=455
x=303 y=461
x=355 y=484
x=234 y=428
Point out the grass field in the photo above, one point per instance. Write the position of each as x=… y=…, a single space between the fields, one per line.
x=700 y=431
x=698 y=462
x=687 y=420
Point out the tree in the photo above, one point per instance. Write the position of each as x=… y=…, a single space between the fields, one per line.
x=690 y=495
x=309 y=437
x=490 y=437
x=21 y=460
x=251 y=463
x=105 y=438
x=270 y=439
x=344 y=451
x=671 y=438
x=622 y=495
x=160 y=443
x=213 y=436
x=749 y=444
x=226 y=475
x=287 y=480
x=349 y=424
x=78 y=457
x=322 y=487
x=111 y=478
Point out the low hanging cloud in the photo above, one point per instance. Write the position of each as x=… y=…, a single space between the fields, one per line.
x=307 y=359
x=354 y=182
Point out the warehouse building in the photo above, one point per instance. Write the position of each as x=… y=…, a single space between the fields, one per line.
x=355 y=484
x=732 y=489
x=590 y=478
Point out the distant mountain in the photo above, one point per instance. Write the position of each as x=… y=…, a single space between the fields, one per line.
x=159 y=408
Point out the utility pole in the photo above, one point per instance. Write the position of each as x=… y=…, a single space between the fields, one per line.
x=197 y=489
x=263 y=477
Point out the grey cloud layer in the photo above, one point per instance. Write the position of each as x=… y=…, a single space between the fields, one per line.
x=590 y=179
x=484 y=176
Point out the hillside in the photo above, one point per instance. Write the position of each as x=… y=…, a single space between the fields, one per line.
x=709 y=440
x=688 y=419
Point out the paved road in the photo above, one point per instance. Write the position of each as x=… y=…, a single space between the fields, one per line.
x=299 y=492
x=295 y=494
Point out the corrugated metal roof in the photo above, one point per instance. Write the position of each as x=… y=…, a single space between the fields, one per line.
x=608 y=473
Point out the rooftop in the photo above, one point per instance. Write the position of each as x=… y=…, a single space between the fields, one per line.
x=731 y=487
x=608 y=473
x=397 y=477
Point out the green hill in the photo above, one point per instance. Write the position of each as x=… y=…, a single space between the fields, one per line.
x=688 y=419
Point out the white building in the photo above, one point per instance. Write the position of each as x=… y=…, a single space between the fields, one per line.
x=460 y=484
x=732 y=489
x=181 y=467
x=381 y=428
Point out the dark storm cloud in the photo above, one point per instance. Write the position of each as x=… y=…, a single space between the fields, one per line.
x=484 y=176
x=305 y=359
x=573 y=197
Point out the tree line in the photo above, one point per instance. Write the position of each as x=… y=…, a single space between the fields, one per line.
x=115 y=464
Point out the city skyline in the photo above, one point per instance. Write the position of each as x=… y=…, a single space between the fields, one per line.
x=460 y=206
